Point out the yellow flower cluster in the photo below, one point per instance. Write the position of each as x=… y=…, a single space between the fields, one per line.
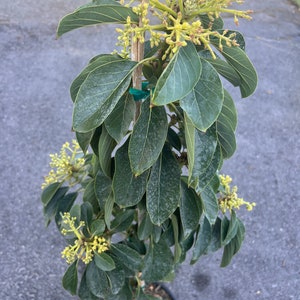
x=229 y=199
x=179 y=23
x=83 y=248
x=68 y=165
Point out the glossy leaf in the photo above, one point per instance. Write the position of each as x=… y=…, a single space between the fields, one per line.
x=70 y=278
x=204 y=103
x=228 y=113
x=145 y=228
x=215 y=242
x=215 y=24
x=84 y=139
x=129 y=257
x=102 y=186
x=97 y=281
x=100 y=92
x=231 y=229
x=108 y=208
x=226 y=70
x=177 y=247
x=179 y=77
x=83 y=292
x=93 y=64
x=210 y=204
x=116 y=279
x=97 y=227
x=86 y=213
x=105 y=12
x=189 y=209
x=49 y=192
x=64 y=206
x=174 y=139
x=105 y=148
x=51 y=208
x=122 y=221
x=158 y=262
x=117 y=123
x=104 y=262
x=148 y=137
x=208 y=174
x=238 y=59
x=90 y=196
x=128 y=188
x=202 y=240
x=163 y=189
x=200 y=148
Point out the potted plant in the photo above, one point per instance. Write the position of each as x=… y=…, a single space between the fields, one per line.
x=140 y=186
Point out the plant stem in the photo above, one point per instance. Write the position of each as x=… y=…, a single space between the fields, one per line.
x=137 y=54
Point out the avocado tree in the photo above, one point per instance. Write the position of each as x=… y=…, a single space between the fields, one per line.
x=141 y=185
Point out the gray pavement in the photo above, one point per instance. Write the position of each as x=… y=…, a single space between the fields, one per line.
x=35 y=73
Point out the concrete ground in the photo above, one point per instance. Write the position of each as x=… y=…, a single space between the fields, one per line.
x=35 y=73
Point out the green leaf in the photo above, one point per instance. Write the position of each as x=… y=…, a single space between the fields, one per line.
x=104 y=262
x=228 y=115
x=116 y=279
x=70 y=278
x=148 y=137
x=202 y=240
x=105 y=148
x=200 y=148
x=145 y=228
x=84 y=139
x=108 y=208
x=226 y=70
x=123 y=220
x=129 y=257
x=64 y=206
x=108 y=12
x=93 y=64
x=240 y=62
x=179 y=77
x=86 y=213
x=51 y=208
x=128 y=188
x=97 y=281
x=90 y=196
x=163 y=189
x=204 y=103
x=206 y=22
x=100 y=92
x=189 y=209
x=177 y=247
x=124 y=294
x=226 y=125
x=97 y=227
x=102 y=188
x=49 y=192
x=210 y=204
x=215 y=242
x=207 y=176
x=83 y=292
x=117 y=123
x=174 y=139
x=158 y=262
x=232 y=228
x=234 y=245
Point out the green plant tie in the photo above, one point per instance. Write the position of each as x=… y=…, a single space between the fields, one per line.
x=139 y=95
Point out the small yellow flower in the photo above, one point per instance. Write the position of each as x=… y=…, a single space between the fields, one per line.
x=68 y=165
x=228 y=199
x=83 y=247
x=177 y=22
